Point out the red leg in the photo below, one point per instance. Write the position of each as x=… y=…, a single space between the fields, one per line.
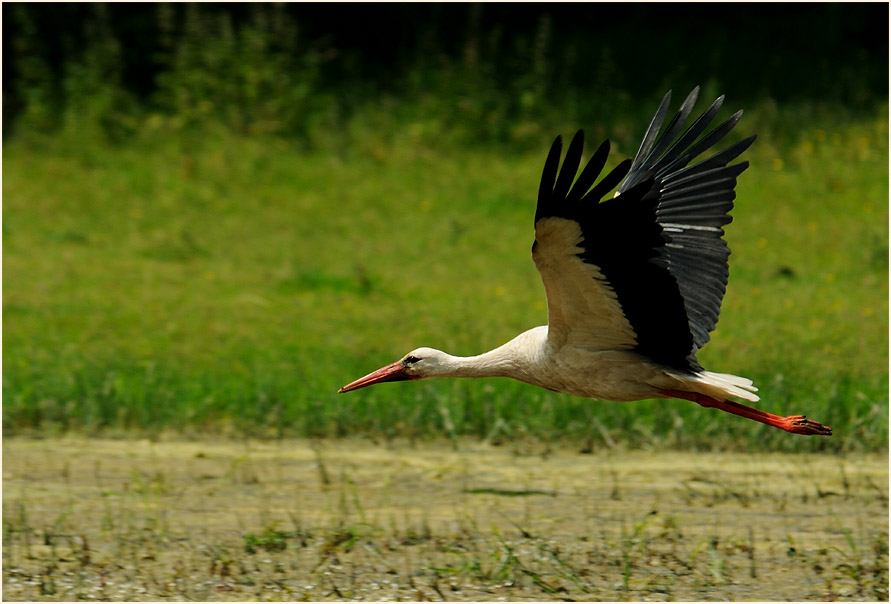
x=796 y=424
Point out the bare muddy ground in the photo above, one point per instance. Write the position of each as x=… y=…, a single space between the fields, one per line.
x=134 y=520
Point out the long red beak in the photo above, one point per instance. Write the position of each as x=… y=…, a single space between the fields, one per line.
x=393 y=372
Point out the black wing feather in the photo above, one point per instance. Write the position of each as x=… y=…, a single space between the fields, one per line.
x=712 y=138
x=680 y=150
x=608 y=183
x=715 y=161
x=549 y=174
x=570 y=166
x=590 y=174
x=652 y=132
x=674 y=128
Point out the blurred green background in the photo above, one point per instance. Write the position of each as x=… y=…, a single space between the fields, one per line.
x=217 y=214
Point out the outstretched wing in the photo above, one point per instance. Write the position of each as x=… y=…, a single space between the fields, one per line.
x=647 y=269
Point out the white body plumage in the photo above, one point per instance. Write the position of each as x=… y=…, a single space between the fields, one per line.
x=613 y=375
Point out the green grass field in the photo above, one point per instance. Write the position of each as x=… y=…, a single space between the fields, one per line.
x=231 y=285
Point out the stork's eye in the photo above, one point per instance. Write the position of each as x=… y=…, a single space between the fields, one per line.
x=410 y=360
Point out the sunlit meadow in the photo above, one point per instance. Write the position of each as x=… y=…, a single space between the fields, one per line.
x=231 y=286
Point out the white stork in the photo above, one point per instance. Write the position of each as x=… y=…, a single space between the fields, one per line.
x=634 y=283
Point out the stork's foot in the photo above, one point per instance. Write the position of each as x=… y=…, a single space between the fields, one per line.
x=796 y=424
x=799 y=424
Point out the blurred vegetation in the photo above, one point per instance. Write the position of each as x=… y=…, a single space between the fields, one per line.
x=334 y=75
x=216 y=214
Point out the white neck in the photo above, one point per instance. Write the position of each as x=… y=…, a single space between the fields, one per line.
x=513 y=359
x=494 y=363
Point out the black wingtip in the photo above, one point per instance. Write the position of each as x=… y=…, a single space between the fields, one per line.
x=609 y=182
x=691 y=98
x=549 y=173
x=570 y=166
x=590 y=173
x=652 y=131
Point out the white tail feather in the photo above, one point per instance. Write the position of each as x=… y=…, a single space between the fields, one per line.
x=721 y=385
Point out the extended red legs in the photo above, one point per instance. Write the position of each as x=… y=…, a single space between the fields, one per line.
x=796 y=424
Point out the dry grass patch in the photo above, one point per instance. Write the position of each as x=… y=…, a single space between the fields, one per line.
x=136 y=520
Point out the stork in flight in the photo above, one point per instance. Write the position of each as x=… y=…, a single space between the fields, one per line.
x=634 y=283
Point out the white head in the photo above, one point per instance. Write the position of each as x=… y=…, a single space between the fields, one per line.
x=418 y=364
